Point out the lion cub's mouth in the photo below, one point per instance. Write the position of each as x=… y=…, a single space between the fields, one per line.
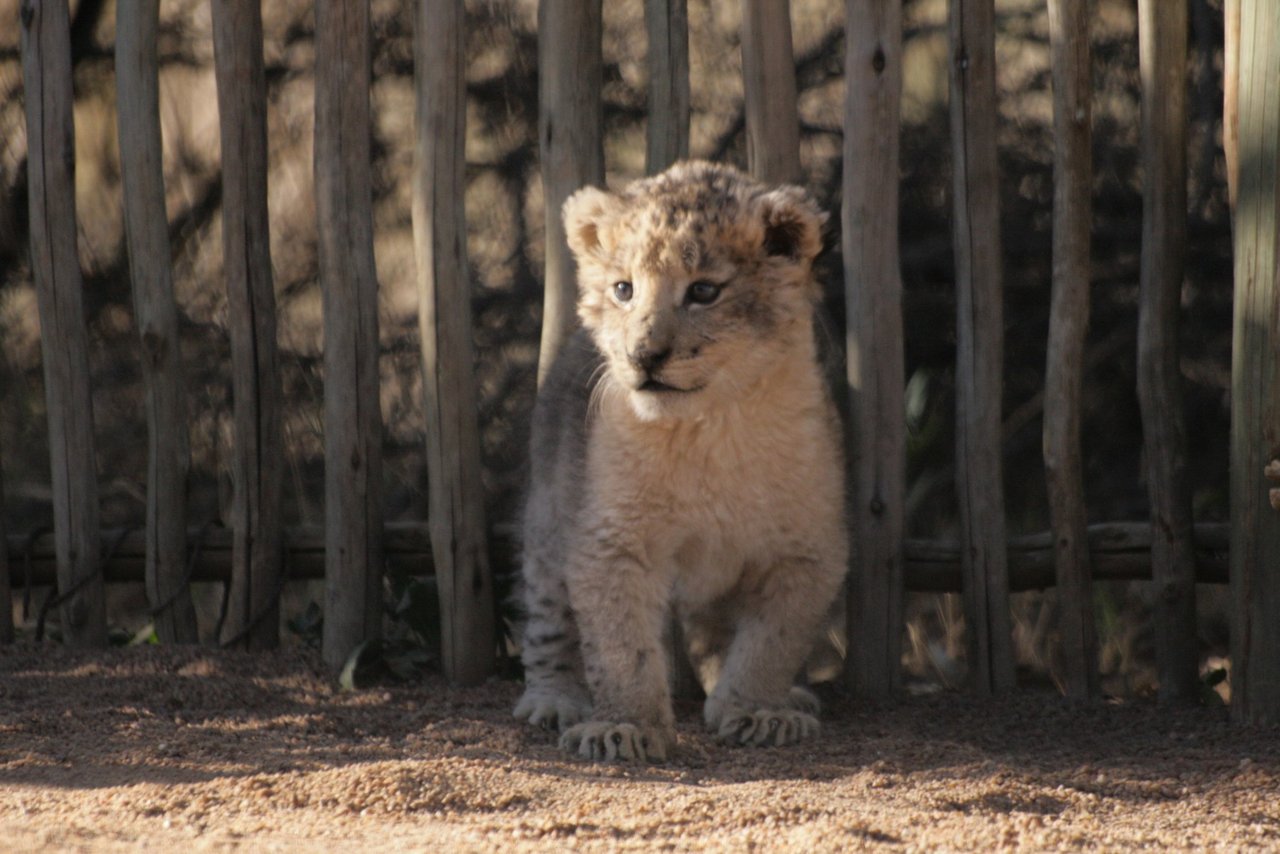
x=659 y=386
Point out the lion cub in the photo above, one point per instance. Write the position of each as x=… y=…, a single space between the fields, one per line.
x=685 y=455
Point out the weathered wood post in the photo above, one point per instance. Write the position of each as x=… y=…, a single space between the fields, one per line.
x=1231 y=97
x=980 y=344
x=1068 y=323
x=459 y=537
x=1162 y=47
x=667 y=132
x=55 y=267
x=1255 y=373
x=352 y=408
x=156 y=318
x=570 y=141
x=874 y=344
x=6 y=591
x=257 y=462
x=769 y=82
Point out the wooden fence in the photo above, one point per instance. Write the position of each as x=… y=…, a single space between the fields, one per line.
x=256 y=555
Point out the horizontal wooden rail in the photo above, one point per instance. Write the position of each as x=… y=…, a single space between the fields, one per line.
x=1119 y=551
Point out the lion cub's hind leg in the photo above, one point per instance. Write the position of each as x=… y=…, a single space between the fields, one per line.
x=554 y=695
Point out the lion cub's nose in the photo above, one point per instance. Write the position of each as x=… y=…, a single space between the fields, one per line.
x=647 y=359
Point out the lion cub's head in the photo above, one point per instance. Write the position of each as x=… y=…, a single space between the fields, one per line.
x=694 y=283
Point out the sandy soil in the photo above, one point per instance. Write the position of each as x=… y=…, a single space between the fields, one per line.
x=163 y=749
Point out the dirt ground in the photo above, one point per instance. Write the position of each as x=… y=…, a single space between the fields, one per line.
x=167 y=749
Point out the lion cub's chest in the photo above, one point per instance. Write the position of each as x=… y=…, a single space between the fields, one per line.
x=706 y=496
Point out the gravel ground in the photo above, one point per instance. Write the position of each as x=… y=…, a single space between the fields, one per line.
x=163 y=748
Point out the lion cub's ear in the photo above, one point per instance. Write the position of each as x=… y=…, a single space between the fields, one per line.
x=792 y=224
x=586 y=213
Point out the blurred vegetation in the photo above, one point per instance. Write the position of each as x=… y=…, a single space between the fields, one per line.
x=504 y=226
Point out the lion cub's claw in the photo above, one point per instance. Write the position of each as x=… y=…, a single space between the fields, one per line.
x=605 y=741
x=766 y=727
x=803 y=700
x=551 y=710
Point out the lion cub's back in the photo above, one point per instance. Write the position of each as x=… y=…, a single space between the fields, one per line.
x=558 y=447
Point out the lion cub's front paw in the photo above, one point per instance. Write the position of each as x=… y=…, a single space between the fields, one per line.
x=552 y=709
x=605 y=741
x=764 y=727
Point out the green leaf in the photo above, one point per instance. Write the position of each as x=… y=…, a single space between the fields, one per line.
x=144 y=635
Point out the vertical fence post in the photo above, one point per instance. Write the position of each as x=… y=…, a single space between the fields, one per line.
x=1162 y=47
x=769 y=82
x=156 y=317
x=980 y=344
x=1068 y=323
x=352 y=408
x=570 y=140
x=257 y=462
x=459 y=543
x=1231 y=98
x=55 y=267
x=6 y=590
x=667 y=132
x=1255 y=373
x=875 y=369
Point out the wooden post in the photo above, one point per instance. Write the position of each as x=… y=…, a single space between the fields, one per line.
x=459 y=537
x=257 y=462
x=1068 y=323
x=769 y=81
x=875 y=369
x=570 y=140
x=352 y=408
x=980 y=344
x=156 y=317
x=6 y=588
x=1231 y=97
x=1162 y=47
x=667 y=133
x=1255 y=374
x=55 y=267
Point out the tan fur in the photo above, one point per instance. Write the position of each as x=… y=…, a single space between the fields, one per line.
x=719 y=494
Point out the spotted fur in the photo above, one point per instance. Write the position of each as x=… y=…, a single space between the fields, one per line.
x=686 y=456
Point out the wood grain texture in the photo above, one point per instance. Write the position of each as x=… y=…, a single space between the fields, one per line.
x=769 y=83
x=459 y=536
x=1068 y=323
x=352 y=404
x=1255 y=374
x=667 y=131
x=1231 y=98
x=1162 y=49
x=6 y=588
x=55 y=269
x=570 y=142
x=257 y=458
x=980 y=343
x=155 y=317
x=874 y=345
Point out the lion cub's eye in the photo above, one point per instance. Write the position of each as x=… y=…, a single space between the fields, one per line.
x=703 y=293
x=622 y=291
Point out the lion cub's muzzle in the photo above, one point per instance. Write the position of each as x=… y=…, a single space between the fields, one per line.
x=647 y=364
